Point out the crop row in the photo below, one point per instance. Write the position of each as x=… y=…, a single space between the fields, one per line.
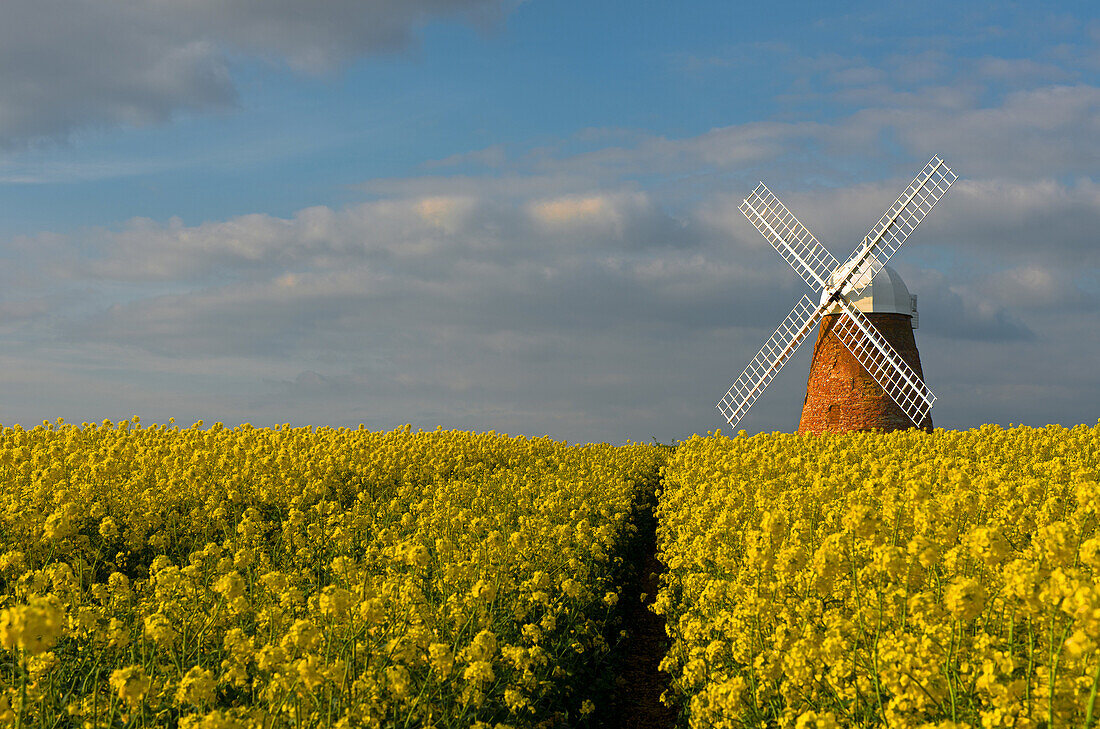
x=905 y=580
x=301 y=577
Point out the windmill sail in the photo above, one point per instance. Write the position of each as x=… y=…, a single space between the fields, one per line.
x=769 y=360
x=790 y=238
x=884 y=364
x=899 y=221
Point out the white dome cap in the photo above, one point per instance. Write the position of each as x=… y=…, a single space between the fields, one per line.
x=886 y=294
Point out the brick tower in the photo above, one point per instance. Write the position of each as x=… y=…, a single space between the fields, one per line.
x=841 y=395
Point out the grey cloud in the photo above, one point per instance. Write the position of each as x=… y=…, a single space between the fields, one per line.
x=355 y=309
x=1029 y=222
x=1015 y=70
x=1037 y=133
x=316 y=37
x=997 y=116
x=1039 y=288
x=311 y=384
x=69 y=66
x=509 y=186
x=991 y=223
x=960 y=313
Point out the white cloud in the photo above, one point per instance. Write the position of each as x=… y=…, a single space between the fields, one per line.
x=569 y=210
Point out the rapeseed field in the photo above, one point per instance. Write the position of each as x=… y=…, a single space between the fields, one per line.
x=313 y=577
x=217 y=578
x=904 y=580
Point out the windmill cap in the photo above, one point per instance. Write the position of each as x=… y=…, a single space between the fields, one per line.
x=886 y=294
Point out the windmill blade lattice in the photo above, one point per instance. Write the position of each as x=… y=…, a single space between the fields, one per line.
x=769 y=360
x=900 y=221
x=883 y=363
x=790 y=238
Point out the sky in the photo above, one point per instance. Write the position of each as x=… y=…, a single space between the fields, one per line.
x=522 y=216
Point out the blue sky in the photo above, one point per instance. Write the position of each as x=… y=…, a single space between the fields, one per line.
x=522 y=216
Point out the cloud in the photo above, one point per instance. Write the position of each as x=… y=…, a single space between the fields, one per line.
x=955 y=311
x=1039 y=288
x=569 y=210
x=111 y=62
x=1042 y=132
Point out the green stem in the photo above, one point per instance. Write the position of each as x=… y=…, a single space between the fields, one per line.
x=1030 y=663
x=1092 y=697
x=874 y=662
x=1055 y=657
x=952 y=673
x=22 y=692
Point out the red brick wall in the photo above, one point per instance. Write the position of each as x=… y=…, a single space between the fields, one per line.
x=841 y=395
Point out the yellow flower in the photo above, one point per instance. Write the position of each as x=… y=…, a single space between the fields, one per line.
x=196 y=687
x=270 y=657
x=216 y=719
x=118 y=633
x=398 y=680
x=965 y=598
x=60 y=524
x=515 y=699
x=41 y=664
x=12 y=561
x=434 y=540
x=237 y=643
x=33 y=627
x=479 y=673
x=158 y=628
x=816 y=720
x=372 y=610
x=441 y=658
x=309 y=672
x=335 y=601
x=275 y=582
x=119 y=585
x=571 y=587
x=303 y=634
x=483 y=647
x=131 y=683
x=484 y=591
x=108 y=529
x=231 y=585
x=244 y=558
x=7 y=715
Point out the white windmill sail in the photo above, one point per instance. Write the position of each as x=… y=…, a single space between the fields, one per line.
x=899 y=222
x=818 y=268
x=883 y=363
x=769 y=360
x=789 y=237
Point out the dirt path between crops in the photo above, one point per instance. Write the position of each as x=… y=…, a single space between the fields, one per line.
x=636 y=703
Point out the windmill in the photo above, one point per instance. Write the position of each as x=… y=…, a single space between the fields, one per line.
x=841 y=311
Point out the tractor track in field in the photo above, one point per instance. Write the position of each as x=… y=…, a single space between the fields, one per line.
x=635 y=702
